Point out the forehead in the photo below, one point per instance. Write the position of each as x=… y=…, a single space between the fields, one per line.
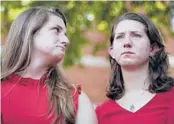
x=129 y=25
x=56 y=20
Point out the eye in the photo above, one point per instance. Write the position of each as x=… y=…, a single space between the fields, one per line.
x=119 y=36
x=136 y=35
x=57 y=30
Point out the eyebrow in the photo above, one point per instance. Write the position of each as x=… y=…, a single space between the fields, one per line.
x=129 y=31
x=59 y=27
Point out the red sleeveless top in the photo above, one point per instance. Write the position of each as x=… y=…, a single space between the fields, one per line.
x=160 y=110
x=25 y=101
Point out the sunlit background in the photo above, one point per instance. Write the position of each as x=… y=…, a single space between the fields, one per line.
x=89 y=25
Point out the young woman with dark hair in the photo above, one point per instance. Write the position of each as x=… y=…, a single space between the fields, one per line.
x=139 y=91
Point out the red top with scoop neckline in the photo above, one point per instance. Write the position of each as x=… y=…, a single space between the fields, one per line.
x=25 y=101
x=159 y=110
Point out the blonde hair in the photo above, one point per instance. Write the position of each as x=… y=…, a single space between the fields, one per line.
x=17 y=55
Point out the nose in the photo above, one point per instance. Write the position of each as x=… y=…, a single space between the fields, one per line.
x=65 y=40
x=128 y=42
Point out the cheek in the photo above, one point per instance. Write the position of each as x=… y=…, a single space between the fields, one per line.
x=41 y=43
x=146 y=50
x=117 y=47
x=143 y=46
x=117 y=53
x=143 y=53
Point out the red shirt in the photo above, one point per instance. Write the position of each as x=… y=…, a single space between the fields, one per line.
x=157 y=111
x=25 y=101
x=171 y=113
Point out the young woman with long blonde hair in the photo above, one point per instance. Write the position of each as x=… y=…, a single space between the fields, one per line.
x=33 y=89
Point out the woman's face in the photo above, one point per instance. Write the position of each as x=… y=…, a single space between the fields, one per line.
x=131 y=45
x=50 y=41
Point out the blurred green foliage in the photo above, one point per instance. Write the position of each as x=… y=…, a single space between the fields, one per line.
x=89 y=15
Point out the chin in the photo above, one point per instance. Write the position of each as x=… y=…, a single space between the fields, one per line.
x=58 y=58
x=59 y=55
x=127 y=62
x=128 y=65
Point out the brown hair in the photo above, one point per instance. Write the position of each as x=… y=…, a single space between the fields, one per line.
x=17 y=56
x=158 y=64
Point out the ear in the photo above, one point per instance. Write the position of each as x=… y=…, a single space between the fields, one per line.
x=154 y=48
x=111 y=52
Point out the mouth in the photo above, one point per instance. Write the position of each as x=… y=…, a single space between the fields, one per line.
x=62 y=48
x=127 y=52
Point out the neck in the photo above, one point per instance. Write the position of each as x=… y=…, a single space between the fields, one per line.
x=135 y=78
x=39 y=65
x=36 y=69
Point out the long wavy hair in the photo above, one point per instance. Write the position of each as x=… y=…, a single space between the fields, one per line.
x=17 y=56
x=158 y=64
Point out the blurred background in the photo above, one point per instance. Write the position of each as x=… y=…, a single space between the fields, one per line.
x=89 y=26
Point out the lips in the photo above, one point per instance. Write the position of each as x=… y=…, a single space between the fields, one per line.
x=63 y=48
x=127 y=52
